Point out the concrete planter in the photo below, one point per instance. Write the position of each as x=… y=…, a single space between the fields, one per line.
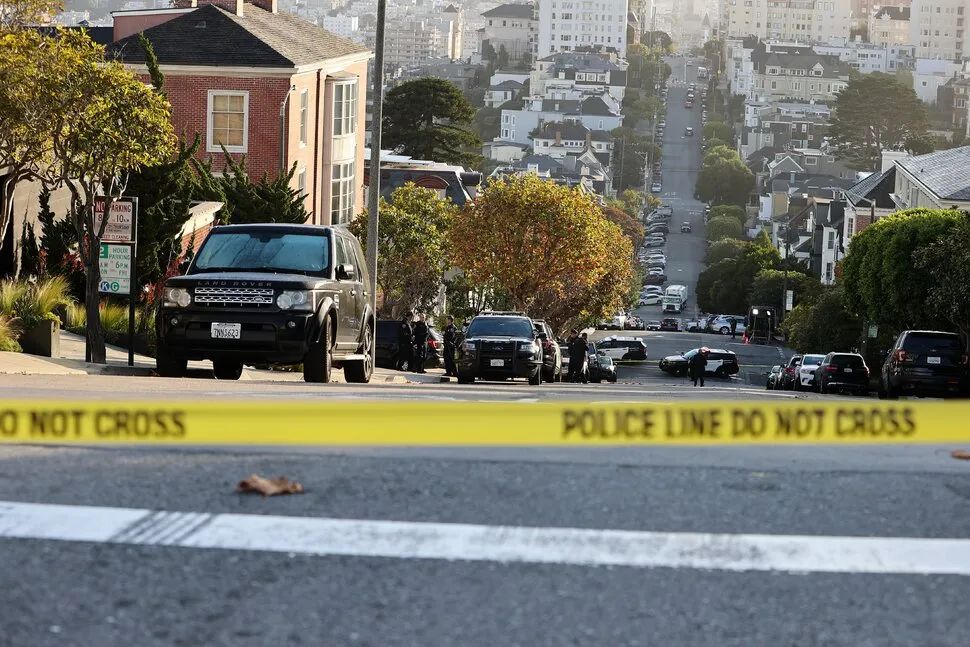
x=43 y=339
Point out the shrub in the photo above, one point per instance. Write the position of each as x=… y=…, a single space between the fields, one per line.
x=9 y=332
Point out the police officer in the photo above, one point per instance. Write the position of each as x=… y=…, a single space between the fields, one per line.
x=420 y=343
x=451 y=337
x=405 y=340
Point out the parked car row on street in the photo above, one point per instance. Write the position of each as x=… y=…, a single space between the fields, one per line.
x=920 y=363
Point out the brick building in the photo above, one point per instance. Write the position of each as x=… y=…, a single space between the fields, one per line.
x=265 y=85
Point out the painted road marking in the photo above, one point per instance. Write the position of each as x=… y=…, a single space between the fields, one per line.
x=467 y=542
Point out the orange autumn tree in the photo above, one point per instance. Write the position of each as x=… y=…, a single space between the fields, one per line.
x=548 y=248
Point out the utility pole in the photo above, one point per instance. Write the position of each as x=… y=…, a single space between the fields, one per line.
x=374 y=187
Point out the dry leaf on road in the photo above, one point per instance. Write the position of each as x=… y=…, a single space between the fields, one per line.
x=960 y=454
x=269 y=487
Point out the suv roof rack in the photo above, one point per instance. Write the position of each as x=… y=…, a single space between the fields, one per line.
x=502 y=313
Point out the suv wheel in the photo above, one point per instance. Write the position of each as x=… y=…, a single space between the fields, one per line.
x=318 y=363
x=465 y=379
x=536 y=378
x=225 y=369
x=169 y=366
x=360 y=371
x=724 y=330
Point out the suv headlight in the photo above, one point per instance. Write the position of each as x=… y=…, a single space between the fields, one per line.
x=470 y=346
x=293 y=300
x=530 y=347
x=176 y=298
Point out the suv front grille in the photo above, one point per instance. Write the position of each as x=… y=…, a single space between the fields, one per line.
x=205 y=296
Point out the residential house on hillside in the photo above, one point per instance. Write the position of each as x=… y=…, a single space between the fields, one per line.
x=521 y=118
x=890 y=26
x=799 y=77
x=939 y=180
x=501 y=93
x=867 y=201
x=264 y=85
x=575 y=75
x=582 y=172
x=559 y=139
x=511 y=27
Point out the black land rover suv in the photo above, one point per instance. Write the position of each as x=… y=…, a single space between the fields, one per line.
x=500 y=345
x=270 y=294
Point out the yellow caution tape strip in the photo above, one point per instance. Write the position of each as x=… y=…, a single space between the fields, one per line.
x=359 y=422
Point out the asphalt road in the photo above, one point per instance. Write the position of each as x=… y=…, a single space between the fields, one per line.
x=461 y=546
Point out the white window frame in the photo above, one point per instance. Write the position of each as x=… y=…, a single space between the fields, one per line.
x=346 y=198
x=344 y=118
x=210 y=146
x=304 y=116
x=301 y=182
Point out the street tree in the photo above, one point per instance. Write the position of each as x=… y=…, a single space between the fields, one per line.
x=723 y=227
x=658 y=39
x=630 y=201
x=106 y=123
x=947 y=260
x=430 y=119
x=724 y=178
x=769 y=286
x=822 y=323
x=18 y=14
x=503 y=58
x=411 y=249
x=875 y=112
x=725 y=248
x=631 y=152
x=718 y=130
x=245 y=200
x=631 y=228
x=729 y=211
x=726 y=285
x=880 y=284
x=548 y=248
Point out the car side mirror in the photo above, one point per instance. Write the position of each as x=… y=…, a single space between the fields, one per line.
x=183 y=265
x=345 y=272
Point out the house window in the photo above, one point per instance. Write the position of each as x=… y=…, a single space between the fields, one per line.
x=344 y=108
x=828 y=272
x=301 y=182
x=831 y=240
x=304 y=113
x=849 y=227
x=228 y=121
x=342 y=193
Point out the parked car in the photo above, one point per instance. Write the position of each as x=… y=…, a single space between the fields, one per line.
x=623 y=348
x=774 y=375
x=656 y=187
x=655 y=264
x=688 y=132
x=669 y=325
x=658 y=228
x=654 y=243
x=720 y=363
x=650 y=300
x=685 y=228
x=722 y=324
x=599 y=366
x=806 y=372
x=925 y=362
x=789 y=373
x=551 y=352
x=386 y=346
x=655 y=279
x=501 y=345
x=270 y=294
x=693 y=325
x=842 y=372
x=634 y=323
x=653 y=324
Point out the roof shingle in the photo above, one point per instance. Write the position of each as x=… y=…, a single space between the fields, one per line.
x=946 y=173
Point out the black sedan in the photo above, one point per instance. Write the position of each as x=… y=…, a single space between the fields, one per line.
x=774 y=375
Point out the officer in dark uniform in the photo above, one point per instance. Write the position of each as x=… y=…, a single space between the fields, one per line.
x=421 y=334
x=405 y=340
x=451 y=337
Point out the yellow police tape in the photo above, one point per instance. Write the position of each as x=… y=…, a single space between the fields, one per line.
x=359 y=422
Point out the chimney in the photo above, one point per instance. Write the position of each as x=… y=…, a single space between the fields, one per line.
x=265 y=5
x=558 y=137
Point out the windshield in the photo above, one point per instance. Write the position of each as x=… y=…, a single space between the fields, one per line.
x=812 y=359
x=500 y=327
x=270 y=251
x=923 y=344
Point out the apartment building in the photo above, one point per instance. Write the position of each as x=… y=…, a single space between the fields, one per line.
x=512 y=27
x=867 y=58
x=890 y=26
x=565 y=25
x=412 y=39
x=806 y=21
x=799 y=77
x=595 y=113
x=938 y=29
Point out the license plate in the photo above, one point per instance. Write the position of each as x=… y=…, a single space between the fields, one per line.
x=225 y=330
x=932 y=360
x=847 y=370
x=497 y=362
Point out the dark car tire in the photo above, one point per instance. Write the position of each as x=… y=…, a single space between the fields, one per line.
x=360 y=371
x=170 y=366
x=536 y=378
x=466 y=379
x=891 y=393
x=226 y=369
x=318 y=363
x=720 y=373
x=823 y=388
x=724 y=330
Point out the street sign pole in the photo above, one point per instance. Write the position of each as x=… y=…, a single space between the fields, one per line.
x=132 y=291
x=119 y=253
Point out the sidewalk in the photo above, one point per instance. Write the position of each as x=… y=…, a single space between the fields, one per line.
x=71 y=362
